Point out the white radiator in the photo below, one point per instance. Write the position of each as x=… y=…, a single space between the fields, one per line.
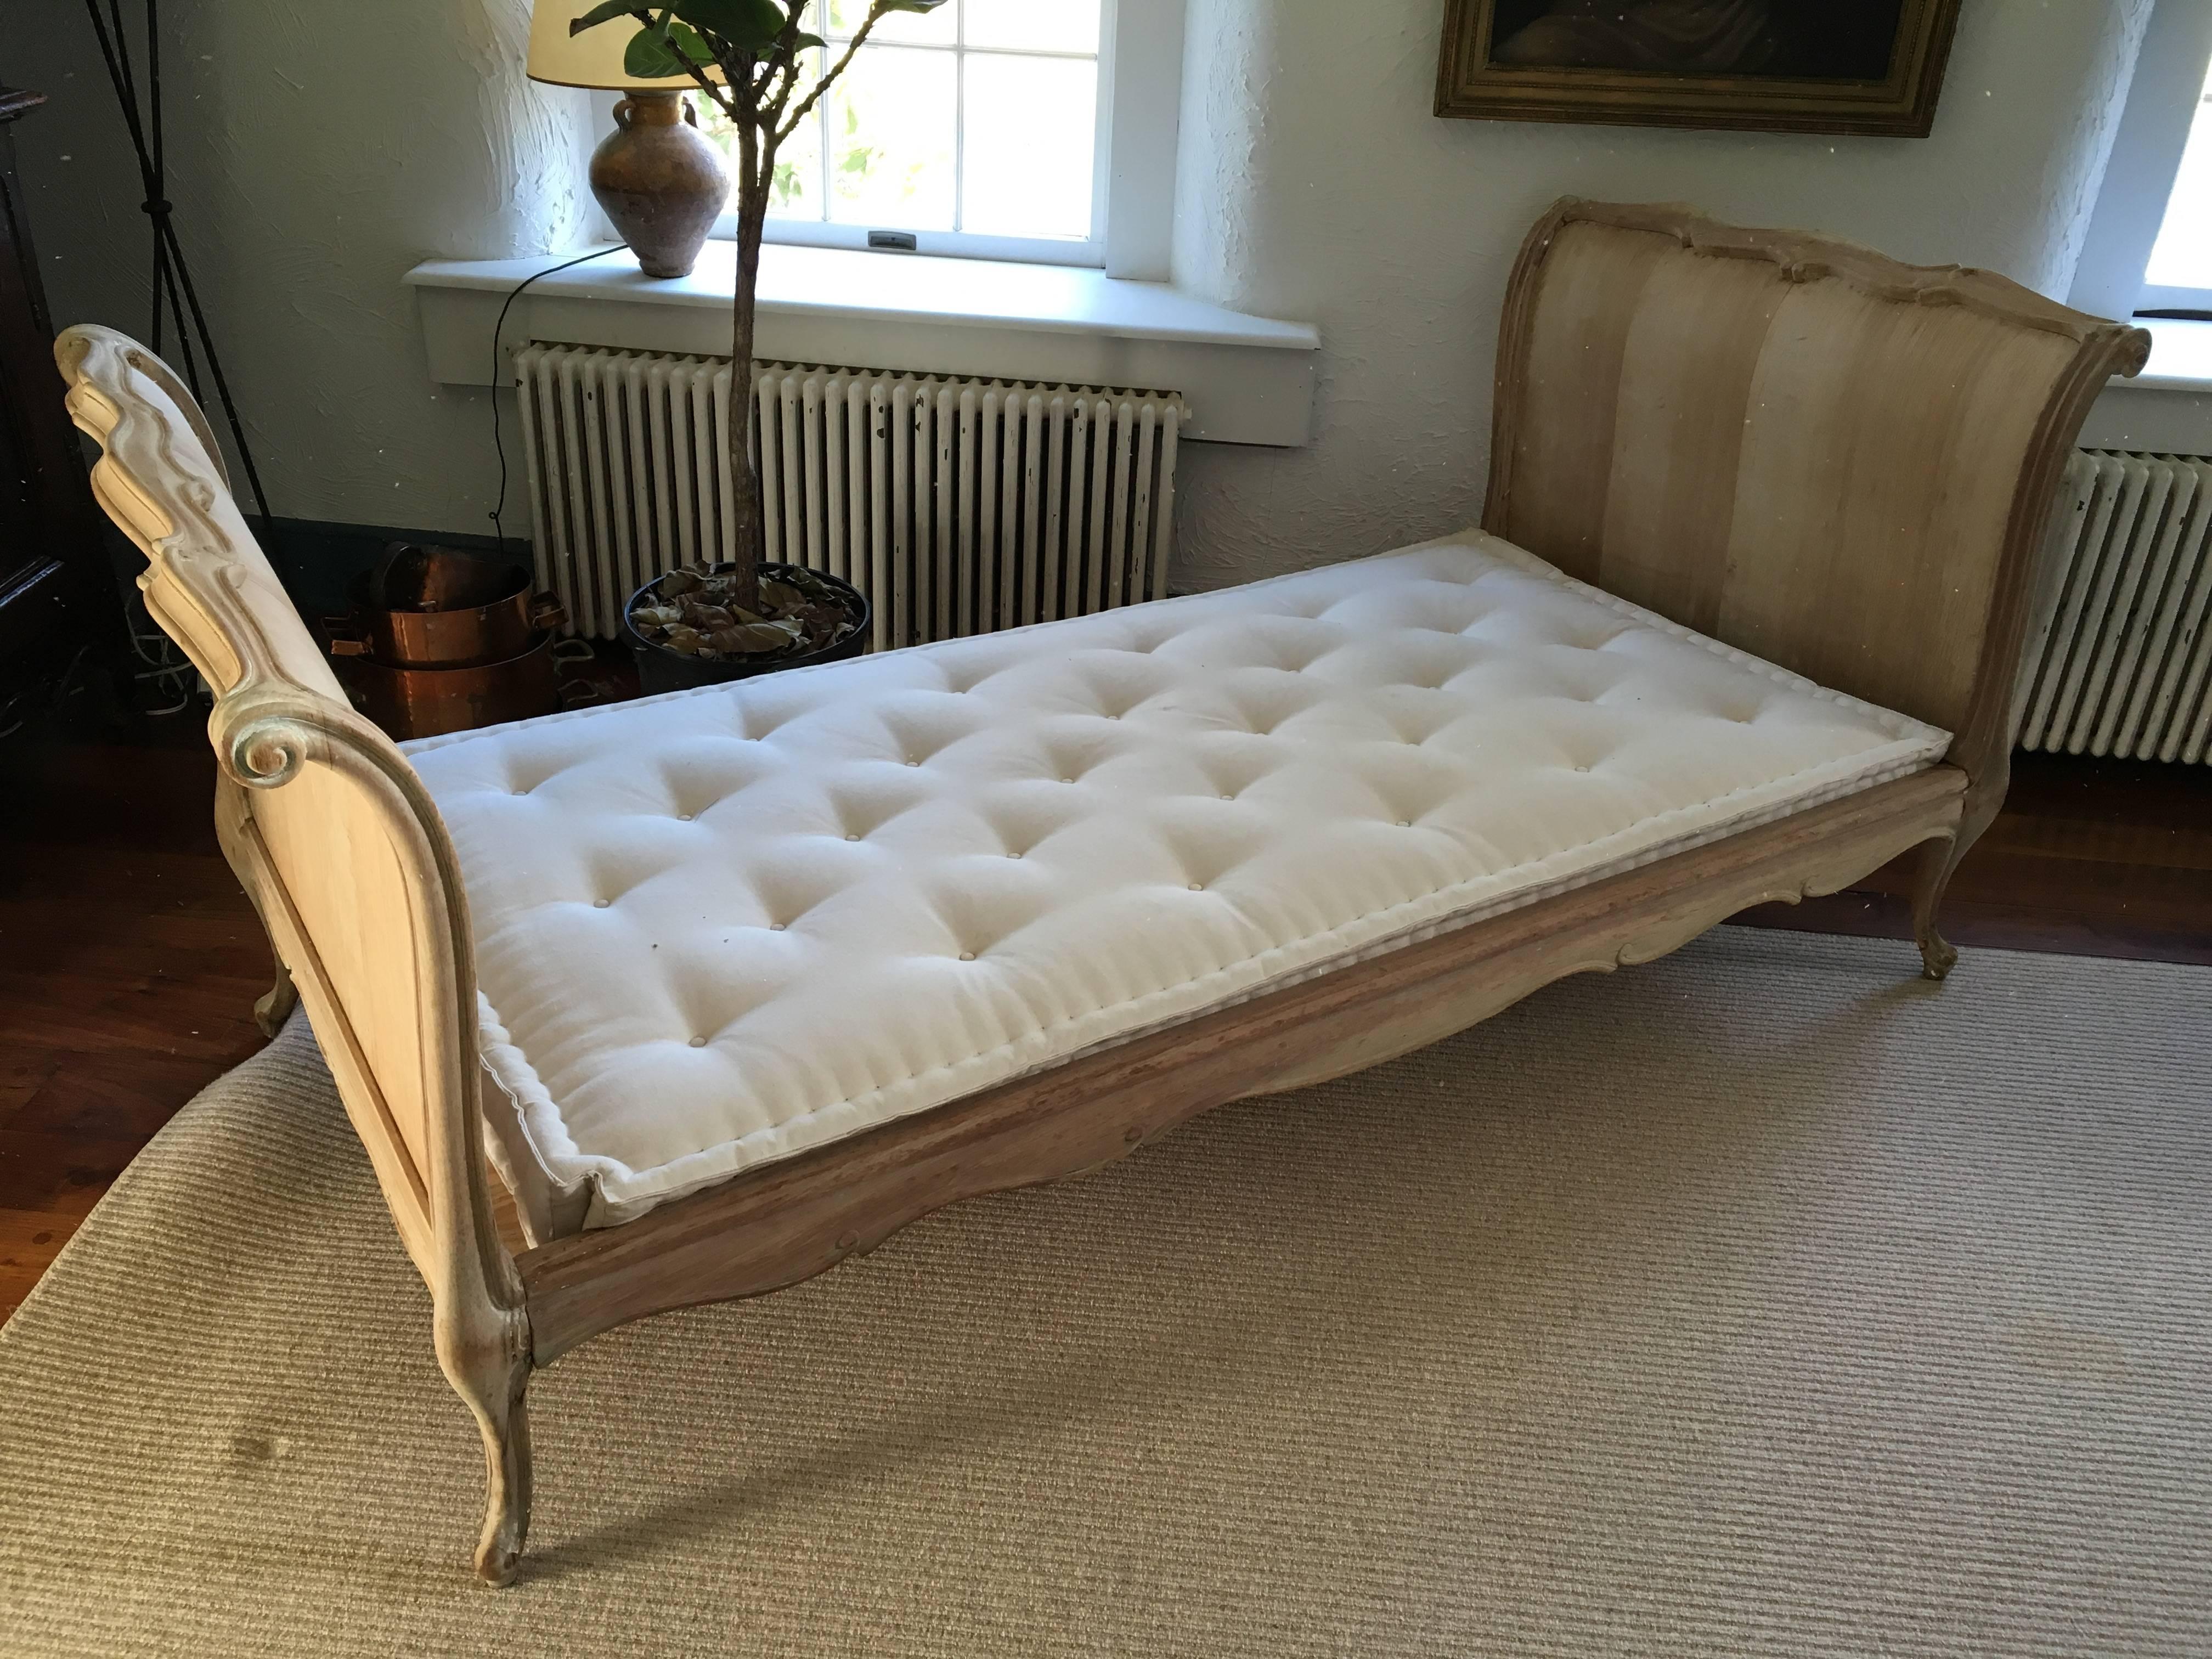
x=958 y=506
x=2118 y=652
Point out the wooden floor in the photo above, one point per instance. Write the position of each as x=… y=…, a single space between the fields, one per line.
x=129 y=958
x=2090 y=857
x=129 y=963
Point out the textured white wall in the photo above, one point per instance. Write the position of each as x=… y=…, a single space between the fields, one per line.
x=1315 y=184
x=316 y=151
x=320 y=150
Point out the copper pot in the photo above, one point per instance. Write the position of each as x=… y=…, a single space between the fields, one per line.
x=427 y=702
x=442 y=640
x=437 y=607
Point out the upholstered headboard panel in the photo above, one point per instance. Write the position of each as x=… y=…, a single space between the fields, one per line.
x=1794 y=445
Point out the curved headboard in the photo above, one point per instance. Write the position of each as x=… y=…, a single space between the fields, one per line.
x=1840 y=463
x=161 y=478
x=327 y=826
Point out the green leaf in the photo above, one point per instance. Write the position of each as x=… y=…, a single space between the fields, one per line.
x=692 y=45
x=606 y=13
x=907 y=5
x=800 y=42
x=650 y=57
x=658 y=54
x=744 y=25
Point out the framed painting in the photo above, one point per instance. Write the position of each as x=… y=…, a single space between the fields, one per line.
x=1857 y=66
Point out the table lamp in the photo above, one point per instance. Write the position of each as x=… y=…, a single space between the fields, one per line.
x=659 y=179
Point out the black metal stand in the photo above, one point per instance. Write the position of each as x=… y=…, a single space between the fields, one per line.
x=173 y=280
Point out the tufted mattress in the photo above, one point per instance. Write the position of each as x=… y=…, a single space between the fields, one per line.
x=722 y=926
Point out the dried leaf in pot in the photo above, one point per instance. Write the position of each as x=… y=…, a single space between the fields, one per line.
x=676 y=583
x=778 y=595
x=751 y=639
x=706 y=618
x=822 y=621
x=685 y=642
x=656 y=616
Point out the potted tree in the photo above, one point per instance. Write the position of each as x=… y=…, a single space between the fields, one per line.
x=698 y=624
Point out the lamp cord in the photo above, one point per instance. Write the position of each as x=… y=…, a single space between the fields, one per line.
x=173 y=282
x=498 y=443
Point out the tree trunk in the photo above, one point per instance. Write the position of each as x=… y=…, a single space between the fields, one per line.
x=756 y=172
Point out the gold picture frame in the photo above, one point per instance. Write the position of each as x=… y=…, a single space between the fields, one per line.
x=1757 y=65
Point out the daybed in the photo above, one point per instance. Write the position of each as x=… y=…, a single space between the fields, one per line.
x=730 y=985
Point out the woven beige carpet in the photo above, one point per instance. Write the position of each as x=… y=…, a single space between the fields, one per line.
x=1764 y=1300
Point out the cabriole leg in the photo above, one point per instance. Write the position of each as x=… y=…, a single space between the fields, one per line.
x=495 y=1392
x=230 y=814
x=1937 y=860
x=275 y=1007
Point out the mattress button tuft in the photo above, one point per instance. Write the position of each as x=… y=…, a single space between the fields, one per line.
x=967 y=956
x=698 y=1042
x=601 y=904
x=852 y=837
x=1198 y=887
x=776 y=928
x=684 y=817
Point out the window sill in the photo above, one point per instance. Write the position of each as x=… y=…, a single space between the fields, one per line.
x=2167 y=409
x=2180 y=356
x=1247 y=379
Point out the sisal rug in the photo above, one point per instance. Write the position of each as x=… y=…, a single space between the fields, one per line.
x=1764 y=1300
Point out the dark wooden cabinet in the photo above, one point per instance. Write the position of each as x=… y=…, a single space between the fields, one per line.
x=58 y=598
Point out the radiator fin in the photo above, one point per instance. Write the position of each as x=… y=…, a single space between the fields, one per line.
x=2119 y=652
x=958 y=506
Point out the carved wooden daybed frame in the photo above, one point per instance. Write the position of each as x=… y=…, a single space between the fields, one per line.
x=1887 y=553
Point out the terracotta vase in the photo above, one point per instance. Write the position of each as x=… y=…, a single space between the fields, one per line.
x=661 y=180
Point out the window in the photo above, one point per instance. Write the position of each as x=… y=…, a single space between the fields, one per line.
x=2180 y=275
x=2147 y=247
x=983 y=127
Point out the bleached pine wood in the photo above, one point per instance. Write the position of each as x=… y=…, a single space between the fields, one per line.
x=1839 y=462
x=1836 y=461
x=349 y=865
x=791 y=1221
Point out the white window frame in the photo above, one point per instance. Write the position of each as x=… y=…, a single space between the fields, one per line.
x=2162 y=101
x=1132 y=160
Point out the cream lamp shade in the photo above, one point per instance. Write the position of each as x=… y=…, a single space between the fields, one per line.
x=593 y=58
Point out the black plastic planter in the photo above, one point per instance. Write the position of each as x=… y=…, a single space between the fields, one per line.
x=659 y=669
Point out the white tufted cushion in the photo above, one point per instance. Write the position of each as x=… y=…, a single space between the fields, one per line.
x=721 y=927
